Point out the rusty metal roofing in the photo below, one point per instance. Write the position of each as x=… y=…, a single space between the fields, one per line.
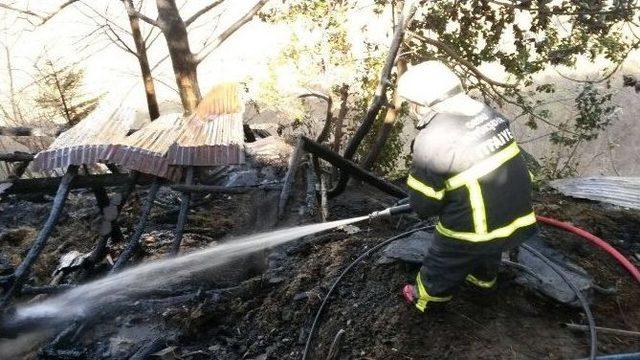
x=145 y=149
x=213 y=135
x=85 y=143
x=622 y=191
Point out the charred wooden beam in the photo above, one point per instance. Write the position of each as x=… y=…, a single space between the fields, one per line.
x=134 y=241
x=16 y=131
x=184 y=211
x=352 y=169
x=146 y=350
x=185 y=188
x=22 y=272
x=49 y=185
x=48 y=290
x=18 y=169
x=16 y=157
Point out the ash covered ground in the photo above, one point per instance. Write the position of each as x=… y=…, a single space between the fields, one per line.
x=261 y=307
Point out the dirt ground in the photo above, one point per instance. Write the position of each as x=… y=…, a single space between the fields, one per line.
x=267 y=315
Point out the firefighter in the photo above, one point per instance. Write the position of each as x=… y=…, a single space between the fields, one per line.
x=468 y=170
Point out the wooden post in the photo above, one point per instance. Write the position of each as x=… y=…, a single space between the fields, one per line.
x=22 y=272
x=311 y=199
x=102 y=199
x=322 y=182
x=109 y=221
x=324 y=206
x=134 y=240
x=185 y=198
x=294 y=160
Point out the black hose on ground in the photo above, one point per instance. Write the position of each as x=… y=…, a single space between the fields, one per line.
x=583 y=301
x=335 y=284
x=593 y=340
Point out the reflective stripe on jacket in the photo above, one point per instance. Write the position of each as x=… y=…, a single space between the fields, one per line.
x=469 y=171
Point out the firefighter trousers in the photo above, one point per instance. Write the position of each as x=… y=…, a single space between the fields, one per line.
x=446 y=267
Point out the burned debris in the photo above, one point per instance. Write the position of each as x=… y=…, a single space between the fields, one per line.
x=203 y=232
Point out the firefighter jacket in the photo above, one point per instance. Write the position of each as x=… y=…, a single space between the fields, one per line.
x=469 y=172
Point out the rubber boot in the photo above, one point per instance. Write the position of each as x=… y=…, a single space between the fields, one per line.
x=418 y=295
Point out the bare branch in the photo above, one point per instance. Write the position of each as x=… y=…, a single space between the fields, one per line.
x=117 y=40
x=131 y=11
x=606 y=76
x=22 y=11
x=231 y=30
x=462 y=61
x=149 y=43
x=169 y=86
x=102 y=16
x=155 y=66
x=43 y=18
x=202 y=11
x=60 y=8
x=326 y=129
x=314 y=94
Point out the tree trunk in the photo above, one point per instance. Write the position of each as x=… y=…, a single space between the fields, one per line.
x=342 y=113
x=147 y=78
x=182 y=59
x=389 y=121
x=65 y=107
x=17 y=115
x=378 y=101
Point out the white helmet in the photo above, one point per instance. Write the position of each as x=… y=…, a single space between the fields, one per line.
x=429 y=83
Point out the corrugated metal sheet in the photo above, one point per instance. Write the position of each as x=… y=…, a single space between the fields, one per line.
x=622 y=191
x=85 y=143
x=213 y=136
x=145 y=150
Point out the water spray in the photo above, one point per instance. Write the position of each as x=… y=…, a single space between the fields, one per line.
x=88 y=299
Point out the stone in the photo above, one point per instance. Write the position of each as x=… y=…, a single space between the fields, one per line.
x=287 y=315
x=552 y=284
x=275 y=280
x=168 y=353
x=349 y=229
x=300 y=296
x=70 y=260
x=411 y=249
x=5 y=265
x=242 y=178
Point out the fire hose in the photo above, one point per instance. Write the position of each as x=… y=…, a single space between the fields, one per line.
x=562 y=225
x=621 y=259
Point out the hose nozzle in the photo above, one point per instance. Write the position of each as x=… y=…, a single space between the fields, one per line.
x=394 y=210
